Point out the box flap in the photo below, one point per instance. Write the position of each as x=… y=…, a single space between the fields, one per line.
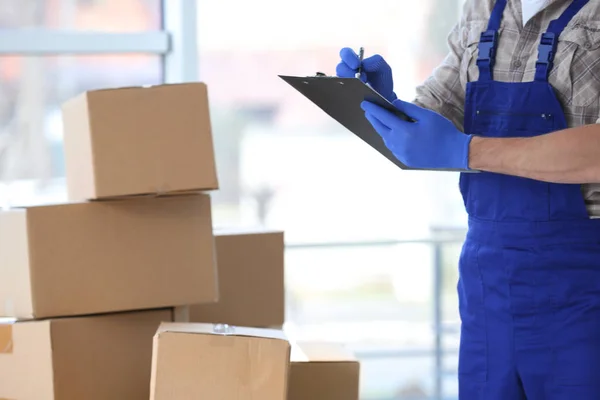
x=322 y=352
x=147 y=86
x=56 y=203
x=220 y=329
x=233 y=231
x=297 y=354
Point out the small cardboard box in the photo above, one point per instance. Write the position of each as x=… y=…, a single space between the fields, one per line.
x=251 y=280
x=205 y=361
x=323 y=371
x=92 y=358
x=139 y=140
x=100 y=257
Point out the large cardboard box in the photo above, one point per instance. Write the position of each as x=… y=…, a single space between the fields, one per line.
x=98 y=257
x=139 y=140
x=92 y=358
x=251 y=280
x=205 y=361
x=323 y=371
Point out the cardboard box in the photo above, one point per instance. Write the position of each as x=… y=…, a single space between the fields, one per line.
x=92 y=358
x=322 y=371
x=98 y=257
x=251 y=280
x=139 y=140
x=205 y=361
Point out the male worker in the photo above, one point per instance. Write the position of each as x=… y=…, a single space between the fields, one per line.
x=529 y=285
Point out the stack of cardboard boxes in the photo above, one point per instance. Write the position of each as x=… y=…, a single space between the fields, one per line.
x=126 y=292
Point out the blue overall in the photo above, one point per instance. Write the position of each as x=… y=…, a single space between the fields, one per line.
x=529 y=286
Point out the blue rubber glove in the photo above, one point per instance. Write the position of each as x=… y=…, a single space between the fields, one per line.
x=375 y=71
x=431 y=142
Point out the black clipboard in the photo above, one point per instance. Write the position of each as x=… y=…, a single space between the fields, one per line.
x=340 y=98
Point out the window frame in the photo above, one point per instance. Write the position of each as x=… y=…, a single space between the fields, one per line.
x=176 y=43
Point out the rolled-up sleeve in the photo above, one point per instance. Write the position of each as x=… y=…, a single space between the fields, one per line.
x=443 y=91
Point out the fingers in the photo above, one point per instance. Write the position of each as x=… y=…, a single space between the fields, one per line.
x=385 y=132
x=374 y=63
x=386 y=117
x=351 y=62
x=380 y=127
x=344 y=71
x=410 y=109
x=350 y=58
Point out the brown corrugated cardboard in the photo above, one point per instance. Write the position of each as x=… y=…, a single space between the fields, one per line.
x=251 y=280
x=323 y=371
x=139 y=140
x=180 y=314
x=97 y=257
x=92 y=358
x=205 y=361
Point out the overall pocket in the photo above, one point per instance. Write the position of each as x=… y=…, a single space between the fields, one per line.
x=473 y=338
x=574 y=284
x=508 y=124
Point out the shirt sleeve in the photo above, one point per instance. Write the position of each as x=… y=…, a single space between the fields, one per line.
x=443 y=92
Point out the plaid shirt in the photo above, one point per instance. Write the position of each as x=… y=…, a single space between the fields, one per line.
x=575 y=75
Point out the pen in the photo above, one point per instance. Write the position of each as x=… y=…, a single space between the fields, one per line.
x=361 y=55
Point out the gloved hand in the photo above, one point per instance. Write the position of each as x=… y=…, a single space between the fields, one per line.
x=375 y=71
x=431 y=142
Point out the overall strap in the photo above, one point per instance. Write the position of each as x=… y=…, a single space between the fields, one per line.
x=488 y=43
x=549 y=41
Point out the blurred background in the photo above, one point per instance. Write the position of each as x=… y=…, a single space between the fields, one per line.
x=372 y=251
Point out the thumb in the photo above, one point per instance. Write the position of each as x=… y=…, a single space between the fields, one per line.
x=410 y=109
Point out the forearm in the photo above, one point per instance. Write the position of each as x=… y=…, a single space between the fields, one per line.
x=567 y=156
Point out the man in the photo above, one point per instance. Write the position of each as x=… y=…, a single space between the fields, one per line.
x=525 y=79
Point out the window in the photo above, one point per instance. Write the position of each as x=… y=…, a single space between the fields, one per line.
x=83 y=15
x=32 y=90
x=50 y=51
x=372 y=250
x=365 y=239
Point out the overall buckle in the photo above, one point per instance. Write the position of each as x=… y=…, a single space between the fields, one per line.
x=487 y=47
x=547 y=49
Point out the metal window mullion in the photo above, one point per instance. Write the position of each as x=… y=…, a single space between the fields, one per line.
x=180 y=19
x=438 y=389
x=40 y=42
